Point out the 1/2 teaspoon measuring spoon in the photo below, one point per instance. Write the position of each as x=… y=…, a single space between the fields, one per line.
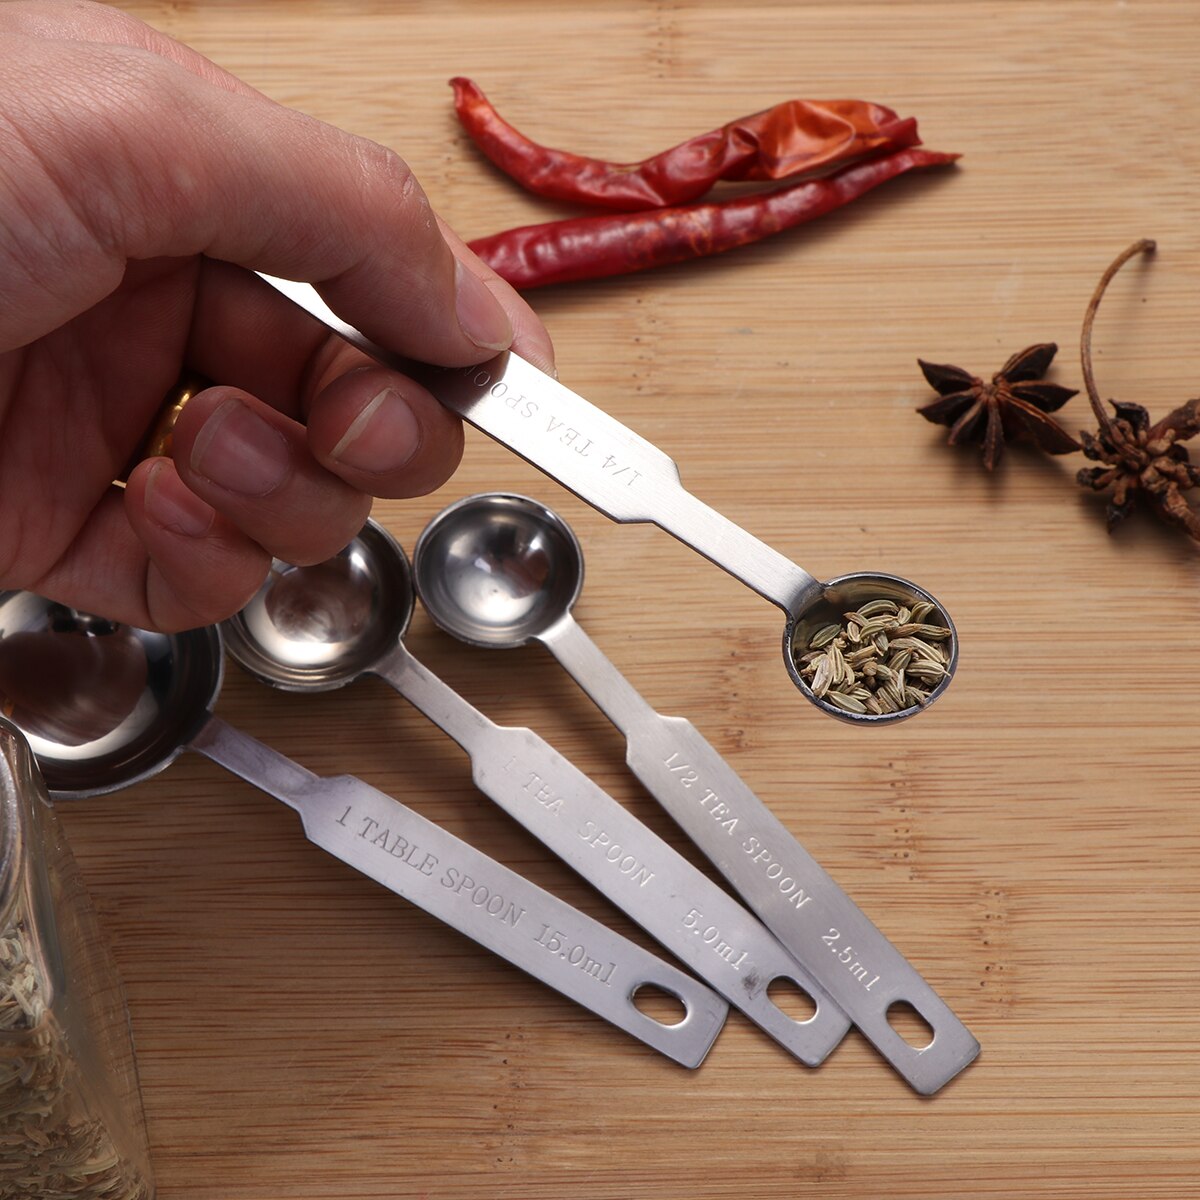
x=501 y=571
x=320 y=627
x=631 y=480
x=104 y=706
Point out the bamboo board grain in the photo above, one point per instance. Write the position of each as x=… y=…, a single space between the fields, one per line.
x=1031 y=843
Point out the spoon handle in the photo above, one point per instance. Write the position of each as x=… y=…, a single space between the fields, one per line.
x=798 y=900
x=610 y=466
x=589 y=452
x=492 y=905
x=627 y=862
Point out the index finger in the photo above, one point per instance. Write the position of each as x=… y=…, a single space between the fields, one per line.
x=158 y=162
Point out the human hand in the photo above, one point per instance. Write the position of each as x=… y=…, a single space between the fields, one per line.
x=138 y=182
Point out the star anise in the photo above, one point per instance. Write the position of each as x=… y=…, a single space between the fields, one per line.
x=1014 y=404
x=1141 y=459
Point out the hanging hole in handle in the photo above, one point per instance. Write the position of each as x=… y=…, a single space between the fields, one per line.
x=658 y=1004
x=910 y=1025
x=791 y=999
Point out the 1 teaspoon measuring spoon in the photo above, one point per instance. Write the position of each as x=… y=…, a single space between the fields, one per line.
x=631 y=480
x=320 y=627
x=501 y=571
x=104 y=706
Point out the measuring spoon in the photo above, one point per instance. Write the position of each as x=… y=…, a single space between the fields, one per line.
x=631 y=480
x=501 y=571
x=105 y=705
x=317 y=628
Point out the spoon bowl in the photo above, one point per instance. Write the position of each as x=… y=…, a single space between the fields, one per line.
x=844 y=594
x=317 y=628
x=498 y=570
x=102 y=705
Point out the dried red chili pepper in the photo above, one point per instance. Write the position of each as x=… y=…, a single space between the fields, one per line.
x=797 y=136
x=620 y=243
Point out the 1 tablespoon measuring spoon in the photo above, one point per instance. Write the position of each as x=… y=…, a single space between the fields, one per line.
x=631 y=480
x=501 y=571
x=318 y=628
x=105 y=705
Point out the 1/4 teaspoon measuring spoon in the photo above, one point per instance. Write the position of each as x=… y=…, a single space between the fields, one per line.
x=500 y=571
x=320 y=627
x=105 y=705
x=631 y=480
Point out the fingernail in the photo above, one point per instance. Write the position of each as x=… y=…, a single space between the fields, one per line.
x=383 y=437
x=238 y=450
x=480 y=315
x=172 y=505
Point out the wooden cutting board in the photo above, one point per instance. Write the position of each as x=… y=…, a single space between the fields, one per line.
x=1031 y=843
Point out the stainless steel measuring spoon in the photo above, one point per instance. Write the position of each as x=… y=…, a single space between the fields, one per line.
x=631 y=480
x=501 y=571
x=104 y=706
x=318 y=628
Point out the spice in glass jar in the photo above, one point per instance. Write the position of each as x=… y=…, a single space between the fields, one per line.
x=71 y=1123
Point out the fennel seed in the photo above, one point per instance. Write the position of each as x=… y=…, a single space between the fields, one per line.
x=882 y=657
x=50 y=1144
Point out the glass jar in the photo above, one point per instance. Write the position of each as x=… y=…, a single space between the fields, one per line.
x=71 y=1122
